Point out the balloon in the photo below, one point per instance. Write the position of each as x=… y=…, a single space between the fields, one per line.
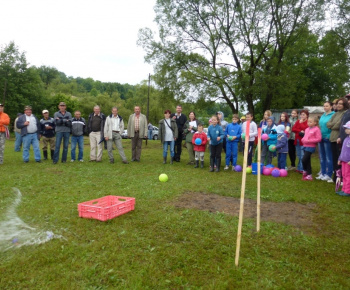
x=272 y=148
x=283 y=173
x=275 y=173
x=198 y=141
x=243 y=136
x=163 y=177
x=238 y=168
x=264 y=137
x=267 y=171
x=270 y=166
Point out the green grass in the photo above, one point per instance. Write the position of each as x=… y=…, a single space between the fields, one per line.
x=159 y=246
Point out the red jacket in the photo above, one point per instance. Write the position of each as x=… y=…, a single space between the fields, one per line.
x=297 y=128
x=203 y=137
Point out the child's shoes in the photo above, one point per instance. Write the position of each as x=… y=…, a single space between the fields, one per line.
x=307 y=177
x=226 y=167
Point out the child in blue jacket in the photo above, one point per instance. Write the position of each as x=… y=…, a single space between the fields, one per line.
x=281 y=147
x=270 y=130
x=233 y=133
x=216 y=136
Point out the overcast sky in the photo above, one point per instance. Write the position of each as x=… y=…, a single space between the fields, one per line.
x=82 y=38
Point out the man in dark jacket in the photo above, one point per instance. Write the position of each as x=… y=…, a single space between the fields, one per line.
x=47 y=128
x=63 y=121
x=96 y=125
x=180 y=122
x=78 y=129
x=30 y=131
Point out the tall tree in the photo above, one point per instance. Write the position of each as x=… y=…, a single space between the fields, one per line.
x=224 y=49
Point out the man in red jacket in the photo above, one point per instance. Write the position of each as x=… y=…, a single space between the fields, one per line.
x=4 y=122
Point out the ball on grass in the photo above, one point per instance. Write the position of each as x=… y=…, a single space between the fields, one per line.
x=238 y=168
x=283 y=173
x=264 y=137
x=198 y=141
x=249 y=170
x=163 y=177
x=267 y=171
x=275 y=173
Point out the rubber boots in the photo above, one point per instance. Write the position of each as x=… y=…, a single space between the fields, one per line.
x=45 y=154
x=197 y=164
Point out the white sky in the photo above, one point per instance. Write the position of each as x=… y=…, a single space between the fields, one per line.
x=82 y=38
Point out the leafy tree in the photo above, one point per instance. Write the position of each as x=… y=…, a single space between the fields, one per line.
x=226 y=49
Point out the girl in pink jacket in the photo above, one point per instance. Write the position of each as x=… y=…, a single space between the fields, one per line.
x=311 y=138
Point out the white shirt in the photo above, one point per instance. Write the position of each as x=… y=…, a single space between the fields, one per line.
x=32 y=127
x=169 y=136
x=253 y=130
x=115 y=123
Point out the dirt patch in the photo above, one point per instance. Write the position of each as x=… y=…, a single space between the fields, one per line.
x=301 y=216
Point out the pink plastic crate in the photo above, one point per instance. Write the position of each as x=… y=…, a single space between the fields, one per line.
x=106 y=208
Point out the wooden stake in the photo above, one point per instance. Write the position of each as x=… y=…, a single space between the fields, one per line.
x=259 y=178
x=241 y=207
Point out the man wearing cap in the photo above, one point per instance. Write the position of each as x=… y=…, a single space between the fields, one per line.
x=96 y=125
x=63 y=122
x=47 y=127
x=4 y=122
x=30 y=131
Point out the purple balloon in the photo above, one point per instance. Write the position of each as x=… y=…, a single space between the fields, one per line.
x=275 y=173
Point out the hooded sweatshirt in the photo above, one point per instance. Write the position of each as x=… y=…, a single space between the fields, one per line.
x=271 y=131
x=282 y=140
x=223 y=123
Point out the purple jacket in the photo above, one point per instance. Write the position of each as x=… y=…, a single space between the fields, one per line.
x=345 y=150
x=282 y=143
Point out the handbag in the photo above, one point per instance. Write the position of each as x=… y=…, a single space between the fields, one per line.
x=7 y=133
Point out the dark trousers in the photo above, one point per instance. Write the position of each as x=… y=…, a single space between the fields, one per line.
x=178 y=147
x=136 y=144
x=250 y=152
x=336 y=148
x=291 y=152
x=215 y=150
x=307 y=162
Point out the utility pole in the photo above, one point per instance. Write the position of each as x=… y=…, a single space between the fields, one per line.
x=149 y=84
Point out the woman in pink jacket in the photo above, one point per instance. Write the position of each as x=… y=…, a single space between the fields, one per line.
x=310 y=140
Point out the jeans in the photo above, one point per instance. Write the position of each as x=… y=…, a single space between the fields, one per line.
x=300 y=154
x=165 y=148
x=80 y=141
x=31 y=139
x=59 y=137
x=326 y=158
x=18 y=142
x=282 y=160
x=150 y=134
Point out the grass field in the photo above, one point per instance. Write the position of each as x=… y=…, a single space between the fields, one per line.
x=161 y=246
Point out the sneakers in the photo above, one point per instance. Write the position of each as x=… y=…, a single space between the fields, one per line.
x=226 y=167
x=321 y=176
x=342 y=193
x=81 y=160
x=307 y=177
x=292 y=168
x=72 y=160
x=233 y=168
x=327 y=178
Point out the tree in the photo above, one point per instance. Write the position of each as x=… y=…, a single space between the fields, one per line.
x=20 y=85
x=225 y=49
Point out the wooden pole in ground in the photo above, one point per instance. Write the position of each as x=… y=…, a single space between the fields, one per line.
x=241 y=207
x=259 y=179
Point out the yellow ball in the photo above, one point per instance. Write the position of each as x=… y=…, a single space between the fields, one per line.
x=249 y=170
x=163 y=177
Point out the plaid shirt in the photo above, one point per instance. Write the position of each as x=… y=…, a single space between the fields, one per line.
x=137 y=123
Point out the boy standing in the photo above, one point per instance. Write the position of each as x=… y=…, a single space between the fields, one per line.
x=270 y=130
x=232 y=134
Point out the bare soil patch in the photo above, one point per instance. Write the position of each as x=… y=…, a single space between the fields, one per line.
x=301 y=216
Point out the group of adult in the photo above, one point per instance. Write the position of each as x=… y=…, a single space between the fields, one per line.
x=59 y=128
